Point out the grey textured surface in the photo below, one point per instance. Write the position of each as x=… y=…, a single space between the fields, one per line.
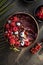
x=9 y=57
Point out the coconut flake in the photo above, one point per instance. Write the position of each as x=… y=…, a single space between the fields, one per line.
x=16 y=32
x=9 y=21
x=18 y=23
x=22 y=43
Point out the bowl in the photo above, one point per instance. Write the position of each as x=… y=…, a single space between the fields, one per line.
x=39 y=13
x=21 y=30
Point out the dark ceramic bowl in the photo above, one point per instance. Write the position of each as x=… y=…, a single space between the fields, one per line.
x=28 y=21
x=38 y=13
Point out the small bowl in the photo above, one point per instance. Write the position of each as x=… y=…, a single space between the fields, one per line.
x=39 y=13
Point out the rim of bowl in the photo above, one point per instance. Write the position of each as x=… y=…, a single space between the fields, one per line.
x=29 y=1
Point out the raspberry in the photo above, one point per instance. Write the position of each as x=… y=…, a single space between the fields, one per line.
x=15 y=29
x=11 y=37
x=27 y=43
x=16 y=19
x=7 y=26
x=17 y=43
x=12 y=41
x=12 y=24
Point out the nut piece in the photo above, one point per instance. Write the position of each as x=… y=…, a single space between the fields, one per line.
x=18 y=23
x=9 y=21
x=22 y=43
x=16 y=32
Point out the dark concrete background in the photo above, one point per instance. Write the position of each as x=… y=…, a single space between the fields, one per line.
x=24 y=57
